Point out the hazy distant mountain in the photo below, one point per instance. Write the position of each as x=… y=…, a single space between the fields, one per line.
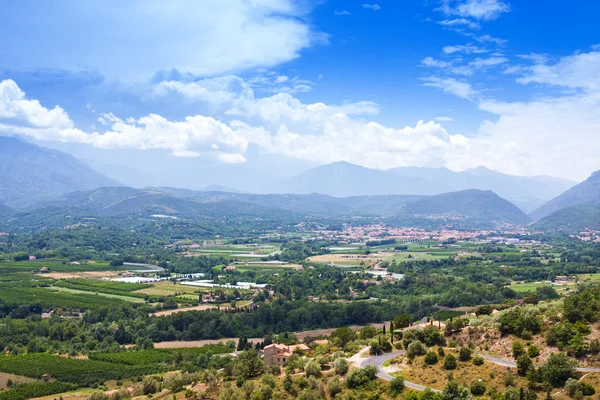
x=342 y=179
x=6 y=211
x=126 y=175
x=468 y=207
x=526 y=192
x=587 y=192
x=29 y=173
x=572 y=219
x=219 y=188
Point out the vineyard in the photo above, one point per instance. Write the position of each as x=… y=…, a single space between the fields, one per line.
x=108 y=287
x=57 y=265
x=51 y=298
x=36 y=389
x=158 y=356
x=100 y=367
x=78 y=371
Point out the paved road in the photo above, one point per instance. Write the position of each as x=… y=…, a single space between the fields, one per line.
x=378 y=361
x=512 y=364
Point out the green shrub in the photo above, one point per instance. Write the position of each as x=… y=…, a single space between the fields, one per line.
x=477 y=360
x=477 y=388
x=431 y=358
x=450 y=362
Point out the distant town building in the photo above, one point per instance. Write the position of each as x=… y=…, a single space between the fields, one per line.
x=32 y=258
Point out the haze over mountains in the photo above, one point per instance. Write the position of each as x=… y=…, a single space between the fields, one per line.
x=47 y=182
x=576 y=209
x=342 y=179
x=30 y=173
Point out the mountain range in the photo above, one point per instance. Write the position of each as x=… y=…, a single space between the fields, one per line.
x=30 y=173
x=34 y=178
x=342 y=179
x=576 y=209
x=464 y=209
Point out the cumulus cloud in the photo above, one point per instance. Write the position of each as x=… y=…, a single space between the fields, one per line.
x=541 y=136
x=280 y=124
x=211 y=37
x=342 y=12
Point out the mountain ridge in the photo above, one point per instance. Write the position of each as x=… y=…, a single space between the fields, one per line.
x=31 y=173
x=586 y=192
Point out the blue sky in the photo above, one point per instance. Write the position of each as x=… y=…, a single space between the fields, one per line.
x=280 y=86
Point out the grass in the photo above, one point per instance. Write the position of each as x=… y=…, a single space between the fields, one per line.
x=436 y=376
x=167 y=288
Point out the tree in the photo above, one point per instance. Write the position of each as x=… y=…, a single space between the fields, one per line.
x=392 y=331
x=367 y=332
x=477 y=388
x=524 y=364
x=416 y=348
x=477 y=360
x=464 y=354
x=431 y=358
x=454 y=392
x=484 y=310
x=402 y=321
x=313 y=368
x=344 y=335
x=531 y=298
x=248 y=364
x=533 y=351
x=557 y=370
x=340 y=365
x=396 y=385
x=450 y=362
x=517 y=349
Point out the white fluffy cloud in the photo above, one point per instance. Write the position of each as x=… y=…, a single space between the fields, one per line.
x=552 y=135
x=578 y=71
x=282 y=125
x=133 y=40
x=451 y=85
x=477 y=9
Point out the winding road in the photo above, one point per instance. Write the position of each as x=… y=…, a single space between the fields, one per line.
x=378 y=362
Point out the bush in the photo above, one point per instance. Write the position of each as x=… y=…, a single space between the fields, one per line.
x=416 y=348
x=517 y=349
x=361 y=376
x=450 y=362
x=477 y=388
x=557 y=370
x=524 y=364
x=464 y=354
x=533 y=351
x=477 y=360
x=340 y=365
x=431 y=358
x=397 y=385
x=334 y=387
x=313 y=368
x=440 y=351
